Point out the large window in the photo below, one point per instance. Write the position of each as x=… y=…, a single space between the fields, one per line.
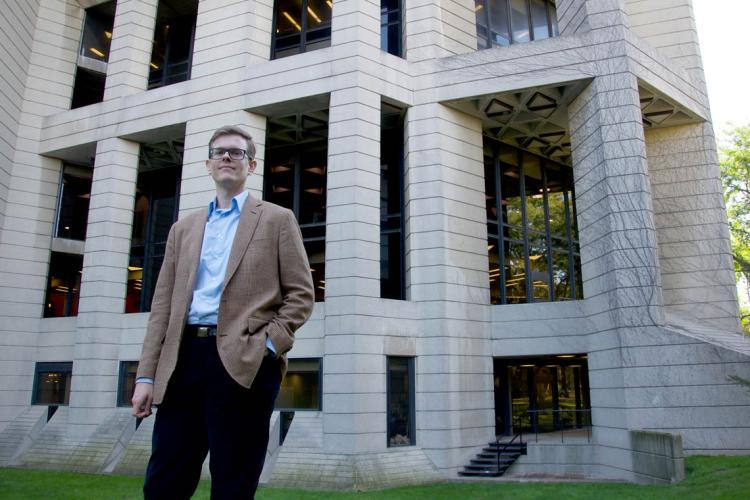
x=73 y=202
x=295 y=178
x=94 y=54
x=300 y=389
x=156 y=204
x=502 y=22
x=532 y=239
x=390 y=26
x=300 y=26
x=172 y=52
x=392 y=283
x=400 y=390
x=542 y=394
x=52 y=383
x=63 y=285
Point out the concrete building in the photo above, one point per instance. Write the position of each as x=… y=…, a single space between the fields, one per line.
x=512 y=210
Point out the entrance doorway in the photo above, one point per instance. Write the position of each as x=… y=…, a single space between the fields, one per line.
x=541 y=394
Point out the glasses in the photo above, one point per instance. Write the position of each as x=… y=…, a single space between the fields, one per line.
x=234 y=154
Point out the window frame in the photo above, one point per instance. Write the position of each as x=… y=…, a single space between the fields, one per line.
x=319 y=402
x=63 y=367
x=384 y=12
x=489 y=5
x=411 y=397
x=303 y=33
x=122 y=381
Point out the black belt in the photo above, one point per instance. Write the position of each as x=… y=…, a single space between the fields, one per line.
x=200 y=331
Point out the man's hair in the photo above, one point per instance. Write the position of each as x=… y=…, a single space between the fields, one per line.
x=234 y=130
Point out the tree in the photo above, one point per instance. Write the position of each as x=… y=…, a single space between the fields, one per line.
x=735 y=176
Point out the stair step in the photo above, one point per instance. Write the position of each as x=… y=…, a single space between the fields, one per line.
x=478 y=473
x=491 y=461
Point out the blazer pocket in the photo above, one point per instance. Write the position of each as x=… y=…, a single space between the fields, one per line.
x=254 y=324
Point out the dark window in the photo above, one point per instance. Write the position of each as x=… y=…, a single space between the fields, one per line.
x=126 y=382
x=295 y=178
x=542 y=394
x=392 y=282
x=63 y=285
x=300 y=26
x=532 y=243
x=93 y=56
x=390 y=26
x=300 y=389
x=400 y=389
x=73 y=202
x=156 y=204
x=172 y=51
x=52 y=383
x=502 y=22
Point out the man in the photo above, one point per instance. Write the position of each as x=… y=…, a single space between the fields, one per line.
x=234 y=286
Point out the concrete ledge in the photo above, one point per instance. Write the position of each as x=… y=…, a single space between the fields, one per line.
x=657 y=457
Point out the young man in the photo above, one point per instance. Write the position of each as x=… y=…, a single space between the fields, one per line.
x=234 y=286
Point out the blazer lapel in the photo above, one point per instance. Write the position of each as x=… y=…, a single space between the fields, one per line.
x=245 y=230
x=193 y=250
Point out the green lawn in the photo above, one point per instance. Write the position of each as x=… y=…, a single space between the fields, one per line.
x=707 y=478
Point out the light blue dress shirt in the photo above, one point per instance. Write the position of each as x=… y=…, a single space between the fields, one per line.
x=217 y=244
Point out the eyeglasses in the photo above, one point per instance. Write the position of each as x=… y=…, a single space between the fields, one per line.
x=234 y=154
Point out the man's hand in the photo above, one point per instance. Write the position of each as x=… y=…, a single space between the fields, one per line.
x=142 y=398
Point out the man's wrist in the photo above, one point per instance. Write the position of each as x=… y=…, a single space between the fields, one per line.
x=144 y=380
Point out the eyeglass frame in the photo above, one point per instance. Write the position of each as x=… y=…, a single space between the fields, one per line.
x=229 y=152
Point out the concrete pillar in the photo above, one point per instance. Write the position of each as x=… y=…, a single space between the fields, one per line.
x=447 y=272
x=697 y=268
x=353 y=362
x=130 y=51
x=356 y=21
x=231 y=35
x=438 y=28
x=103 y=285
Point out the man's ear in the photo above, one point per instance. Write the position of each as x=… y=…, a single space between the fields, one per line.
x=251 y=165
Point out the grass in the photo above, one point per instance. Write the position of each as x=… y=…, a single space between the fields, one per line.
x=725 y=478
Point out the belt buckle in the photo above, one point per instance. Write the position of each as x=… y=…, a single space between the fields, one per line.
x=202 y=332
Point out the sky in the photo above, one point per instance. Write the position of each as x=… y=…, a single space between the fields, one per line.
x=724 y=36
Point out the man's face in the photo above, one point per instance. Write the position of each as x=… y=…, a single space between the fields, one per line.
x=226 y=172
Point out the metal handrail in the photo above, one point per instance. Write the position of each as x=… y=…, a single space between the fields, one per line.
x=531 y=413
x=500 y=452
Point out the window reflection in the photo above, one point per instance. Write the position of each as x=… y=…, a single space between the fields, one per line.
x=63 y=285
x=300 y=389
x=502 y=22
x=73 y=205
x=52 y=383
x=93 y=55
x=172 y=50
x=400 y=372
x=532 y=242
x=301 y=26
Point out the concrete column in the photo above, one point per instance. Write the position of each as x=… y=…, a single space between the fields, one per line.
x=438 y=28
x=695 y=251
x=447 y=272
x=231 y=35
x=103 y=285
x=579 y=16
x=356 y=21
x=353 y=364
x=197 y=188
x=130 y=51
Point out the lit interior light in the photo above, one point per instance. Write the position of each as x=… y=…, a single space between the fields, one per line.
x=313 y=14
x=134 y=268
x=108 y=34
x=329 y=3
x=490 y=247
x=96 y=51
x=478 y=7
x=291 y=20
x=154 y=66
x=566 y=356
x=527 y=366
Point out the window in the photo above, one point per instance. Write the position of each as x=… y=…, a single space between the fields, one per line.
x=390 y=26
x=52 y=383
x=392 y=284
x=295 y=178
x=156 y=204
x=400 y=389
x=541 y=394
x=126 y=382
x=300 y=26
x=502 y=22
x=94 y=54
x=73 y=202
x=532 y=239
x=63 y=285
x=172 y=51
x=300 y=389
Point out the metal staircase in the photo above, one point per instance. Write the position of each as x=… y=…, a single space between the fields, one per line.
x=495 y=458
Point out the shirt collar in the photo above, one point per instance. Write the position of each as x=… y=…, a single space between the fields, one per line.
x=237 y=203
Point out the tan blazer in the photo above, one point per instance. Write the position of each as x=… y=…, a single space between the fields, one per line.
x=268 y=292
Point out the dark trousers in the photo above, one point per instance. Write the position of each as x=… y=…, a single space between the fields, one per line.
x=203 y=410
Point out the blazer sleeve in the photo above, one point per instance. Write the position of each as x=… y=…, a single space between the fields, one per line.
x=158 y=321
x=296 y=284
